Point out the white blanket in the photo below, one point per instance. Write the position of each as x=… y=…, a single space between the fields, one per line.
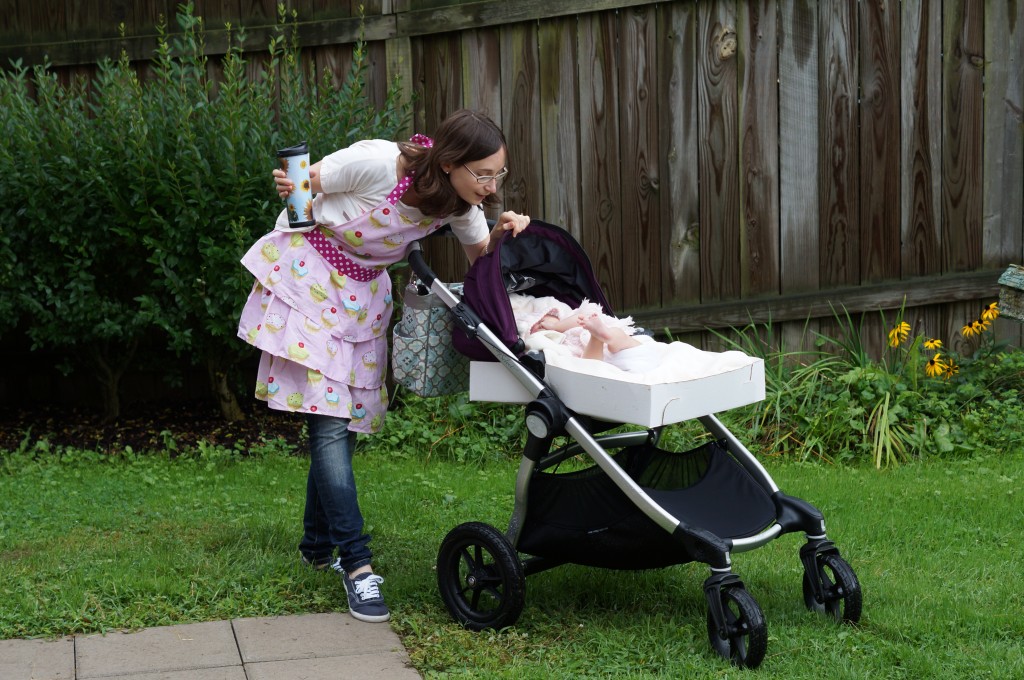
x=651 y=363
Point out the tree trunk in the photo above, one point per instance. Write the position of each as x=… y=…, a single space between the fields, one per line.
x=226 y=399
x=109 y=373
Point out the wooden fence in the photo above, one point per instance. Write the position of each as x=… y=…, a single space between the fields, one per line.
x=722 y=161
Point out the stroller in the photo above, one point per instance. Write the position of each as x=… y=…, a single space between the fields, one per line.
x=635 y=506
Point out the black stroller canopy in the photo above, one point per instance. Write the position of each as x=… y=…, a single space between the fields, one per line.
x=544 y=260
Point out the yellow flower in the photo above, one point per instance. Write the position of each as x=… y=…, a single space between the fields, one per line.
x=934 y=343
x=991 y=312
x=951 y=370
x=899 y=334
x=972 y=329
x=935 y=366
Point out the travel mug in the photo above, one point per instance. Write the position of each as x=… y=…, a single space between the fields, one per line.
x=295 y=162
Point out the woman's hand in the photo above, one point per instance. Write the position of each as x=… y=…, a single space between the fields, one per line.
x=509 y=221
x=285 y=186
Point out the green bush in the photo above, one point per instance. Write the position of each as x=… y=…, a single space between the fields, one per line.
x=127 y=204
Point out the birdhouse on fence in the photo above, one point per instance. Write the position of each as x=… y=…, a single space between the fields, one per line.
x=1011 y=293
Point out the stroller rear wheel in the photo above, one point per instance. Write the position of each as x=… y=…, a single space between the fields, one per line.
x=480 y=577
x=842 y=597
x=745 y=638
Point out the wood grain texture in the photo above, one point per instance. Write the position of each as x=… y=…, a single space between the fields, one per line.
x=840 y=220
x=1003 y=155
x=982 y=285
x=962 y=135
x=719 y=150
x=638 y=142
x=559 y=124
x=523 y=188
x=798 y=150
x=759 y=147
x=677 y=111
x=921 y=162
x=601 y=209
x=879 y=165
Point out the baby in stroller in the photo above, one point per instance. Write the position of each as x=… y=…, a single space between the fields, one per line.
x=586 y=331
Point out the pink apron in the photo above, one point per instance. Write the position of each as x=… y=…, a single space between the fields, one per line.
x=320 y=309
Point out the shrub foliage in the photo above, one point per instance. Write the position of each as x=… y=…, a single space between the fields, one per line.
x=127 y=202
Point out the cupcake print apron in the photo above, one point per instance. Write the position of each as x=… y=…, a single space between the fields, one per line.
x=319 y=310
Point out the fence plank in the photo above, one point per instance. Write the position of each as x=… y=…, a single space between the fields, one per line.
x=951 y=288
x=922 y=135
x=1004 y=145
x=962 y=134
x=559 y=123
x=436 y=67
x=680 y=202
x=601 y=210
x=481 y=85
x=717 y=162
x=879 y=141
x=799 y=211
x=840 y=237
x=1004 y=139
x=638 y=140
x=759 y=141
x=521 y=115
x=798 y=162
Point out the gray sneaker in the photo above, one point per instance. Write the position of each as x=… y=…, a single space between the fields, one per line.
x=364 y=599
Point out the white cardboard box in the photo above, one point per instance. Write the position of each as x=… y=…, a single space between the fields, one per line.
x=624 y=401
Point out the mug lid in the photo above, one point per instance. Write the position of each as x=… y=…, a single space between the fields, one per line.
x=297 y=150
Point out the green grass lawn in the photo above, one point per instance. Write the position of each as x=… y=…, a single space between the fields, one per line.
x=90 y=544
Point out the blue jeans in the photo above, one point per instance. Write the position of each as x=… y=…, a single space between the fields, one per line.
x=332 y=518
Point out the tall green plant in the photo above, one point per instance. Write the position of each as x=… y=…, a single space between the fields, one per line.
x=210 y=183
x=79 y=276
x=125 y=205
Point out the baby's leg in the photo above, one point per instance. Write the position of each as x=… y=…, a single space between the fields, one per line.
x=616 y=338
x=551 y=322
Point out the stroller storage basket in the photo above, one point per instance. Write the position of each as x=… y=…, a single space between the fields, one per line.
x=584 y=518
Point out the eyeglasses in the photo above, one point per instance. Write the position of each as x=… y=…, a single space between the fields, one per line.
x=486 y=179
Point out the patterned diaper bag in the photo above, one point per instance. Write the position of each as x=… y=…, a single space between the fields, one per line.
x=423 y=358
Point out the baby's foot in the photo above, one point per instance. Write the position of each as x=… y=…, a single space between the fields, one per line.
x=544 y=322
x=595 y=325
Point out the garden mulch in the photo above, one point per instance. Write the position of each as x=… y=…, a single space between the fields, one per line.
x=144 y=427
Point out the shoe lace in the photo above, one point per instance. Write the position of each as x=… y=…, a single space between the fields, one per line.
x=368 y=588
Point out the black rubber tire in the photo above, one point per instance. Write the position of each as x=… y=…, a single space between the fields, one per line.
x=746 y=641
x=843 y=597
x=480 y=577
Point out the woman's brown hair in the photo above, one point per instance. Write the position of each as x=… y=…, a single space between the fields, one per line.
x=462 y=137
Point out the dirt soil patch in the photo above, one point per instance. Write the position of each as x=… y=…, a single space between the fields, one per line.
x=144 y=427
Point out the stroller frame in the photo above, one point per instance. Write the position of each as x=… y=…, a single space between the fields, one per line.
x=482 y=578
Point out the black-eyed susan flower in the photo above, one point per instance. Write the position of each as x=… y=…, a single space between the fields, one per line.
x=991 y=312
x=973 y=328
x=951 y=369
x=933 y=343
x=899 y=334
x=305 y=185
x=935 y=366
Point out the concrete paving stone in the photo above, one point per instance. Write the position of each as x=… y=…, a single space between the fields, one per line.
x=311 y=636
x=368 y=667
x=170 y=648
x=37 y=659
x=222 y=673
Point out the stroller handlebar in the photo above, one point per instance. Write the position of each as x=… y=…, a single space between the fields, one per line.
x=419 y=265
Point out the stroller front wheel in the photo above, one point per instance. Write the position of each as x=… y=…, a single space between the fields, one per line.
x=480 y=577
x=841 y=593
x=745 y=639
